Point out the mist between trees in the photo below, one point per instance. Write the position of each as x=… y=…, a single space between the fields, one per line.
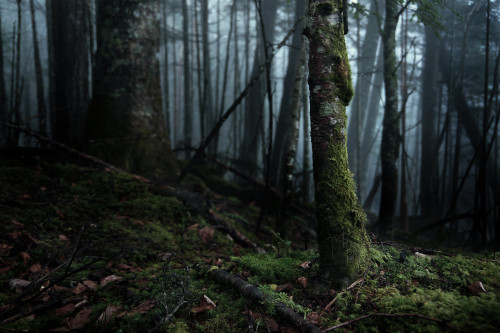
x=142 y=83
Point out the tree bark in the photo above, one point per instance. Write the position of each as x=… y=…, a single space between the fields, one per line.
x=40 y=94
x=285 y=114
x=69 y=67
x=188 y=105
x=253 y=119
x=342 y=239
x=127 y=102
x=390 y=132
x=428 y=165
x=3 y=91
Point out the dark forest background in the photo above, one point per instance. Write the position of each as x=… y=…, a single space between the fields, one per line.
x=140 y=84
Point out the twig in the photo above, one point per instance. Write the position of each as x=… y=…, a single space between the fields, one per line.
x=390 y=315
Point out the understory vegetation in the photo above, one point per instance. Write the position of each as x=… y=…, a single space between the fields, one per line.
x=99 y=251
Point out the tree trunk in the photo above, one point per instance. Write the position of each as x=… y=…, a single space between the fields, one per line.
x=253 y=104
x=188 y=105
x=366 y=64
x=428 y=162
x=390 y=132
x=208 y=106
x=69 y=64
x=285 y=114
x=342 y=239
x=126 y=121
x=3 y=91
x=42 y=108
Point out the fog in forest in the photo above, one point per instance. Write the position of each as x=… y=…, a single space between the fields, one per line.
x=142 y=84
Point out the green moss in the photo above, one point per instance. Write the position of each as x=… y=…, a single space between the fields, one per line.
x=269 y=268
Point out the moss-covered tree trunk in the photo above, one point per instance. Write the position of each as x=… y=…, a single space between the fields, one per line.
x=126 y=122
x=341 y=234
x=390 y=132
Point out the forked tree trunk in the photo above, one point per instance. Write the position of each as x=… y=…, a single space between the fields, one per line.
x=342 y=239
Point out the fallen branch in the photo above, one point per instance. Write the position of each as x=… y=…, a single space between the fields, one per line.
x=390 y=315
x=255 y=294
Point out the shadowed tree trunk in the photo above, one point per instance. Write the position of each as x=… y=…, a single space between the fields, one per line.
x=428 y=167
x=69 y=67
x=188 y=104
x=390 y=132
x=42 y=109
x=254 y=102
x=342 y=239
x=126 y=121
x=3 y=92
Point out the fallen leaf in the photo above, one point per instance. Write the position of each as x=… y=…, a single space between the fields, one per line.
x=5 y=269
x=205 y=305
x=36 y=268
x=5 y=250
x=302 y=281
x=63 y=238
x=92 y=285
x=194 y=226
x=125 y=267
x=139 y=223
x=108 y=314
x=206 y=233
x=65 y=309
x=306 y=265
x=110 y=278
x=477 y=287
x=19 y=283
x=141 y=309
x=17 y=224
x=26 y=196
x=81 y=303
x=164 y=256
x=80 y=288
x=25 y=256
x=81 y=319
x=284 y=287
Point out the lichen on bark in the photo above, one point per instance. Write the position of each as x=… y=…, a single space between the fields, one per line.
x=343 y=242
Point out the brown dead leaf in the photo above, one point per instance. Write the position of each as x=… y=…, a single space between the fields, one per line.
x=141 y=308
x=205 y=305
x=4 y=269
x=60 y=329
x=5 y=250
x=65 y=309
x=302 y=281
x=80 y=288
x=81 y=303
x=25 y=256
x=92 y=285
x=139 y=223
x=81 y=319
x=477 y=287
x=17 y=224
x=164 y=256
x=194 y=226
x=36 y=268
x=110 y=278
x=284 y=287
x=26 y=196
x=306 y=265
x=206 y=233
x=63 y=238
x=108 y=314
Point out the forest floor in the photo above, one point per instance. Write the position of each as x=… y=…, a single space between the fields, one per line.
x=94 y=250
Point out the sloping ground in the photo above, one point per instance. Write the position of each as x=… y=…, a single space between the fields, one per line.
x=94 y=250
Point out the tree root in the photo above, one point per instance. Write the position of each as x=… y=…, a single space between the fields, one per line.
x=253 y=293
